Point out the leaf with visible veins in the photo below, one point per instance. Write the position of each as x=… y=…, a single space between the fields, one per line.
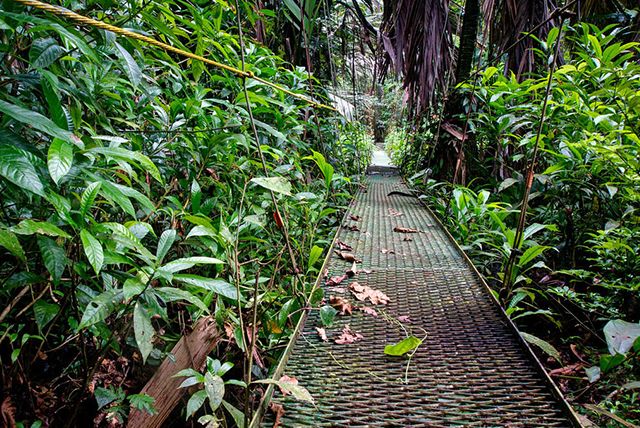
x=364 y=292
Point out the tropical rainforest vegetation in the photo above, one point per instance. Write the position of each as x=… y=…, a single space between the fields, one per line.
x=141 y=189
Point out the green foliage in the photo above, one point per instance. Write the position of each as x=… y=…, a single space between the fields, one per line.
x=134 y=200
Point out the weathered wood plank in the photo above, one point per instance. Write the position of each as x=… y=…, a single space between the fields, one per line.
x=190 y=352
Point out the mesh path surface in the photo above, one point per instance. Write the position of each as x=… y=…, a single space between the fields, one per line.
x=471 y=370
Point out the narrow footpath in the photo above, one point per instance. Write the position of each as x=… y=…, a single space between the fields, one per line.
x=472 y=368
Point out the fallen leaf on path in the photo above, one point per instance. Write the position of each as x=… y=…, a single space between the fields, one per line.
x=343 y=246
x=348 y=256
x=367 y=310
x=339 y=290
x=407 y=239
x=394 y=213
x=367 y=271
x=404 y=318
x=386 y=251
x=364 y=292
x=348 y=336
x=342 y=305
x=401 y=229
x=353 y=227
x=353 y=270
x=354 y=217
x=278 y=410
x=322 y=333
x=567 y=370
x=335 y=280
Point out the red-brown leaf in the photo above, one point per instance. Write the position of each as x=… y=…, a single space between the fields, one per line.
x=344 y=246
x=401 y=229
x=364 y=292
x=348 y=336
x=342 y=305
x=322 y=333
x=335 y=280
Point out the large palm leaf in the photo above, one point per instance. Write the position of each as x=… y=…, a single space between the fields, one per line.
x=417 y=41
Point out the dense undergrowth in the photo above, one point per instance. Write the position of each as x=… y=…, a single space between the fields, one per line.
x=578 y=267
x=134 y=201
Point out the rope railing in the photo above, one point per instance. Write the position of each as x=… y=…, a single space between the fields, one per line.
x=86 y=21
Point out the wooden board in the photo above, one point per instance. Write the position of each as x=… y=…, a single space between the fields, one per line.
x=190 y=352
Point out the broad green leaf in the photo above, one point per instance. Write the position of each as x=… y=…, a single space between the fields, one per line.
x=165 y=242
x=124 y=236
x=530 y=254
x=10 y=242
x=216 y=285
x=100 y=308
x=54 y=257
x=171 y=294
x=620 y=336
x=290 y=387
x=16 y=167
x=143 y=331
x=50 y=84
x=39 y=122
x=189 y=262
x=237 y=415
x=403 y=347
x=105 y=396
x=59 y=159
x=545 y=346
x=314 y=255
x=116 y=197
x=131 y=67
x=275 y=184
x=195 y=402
x=196 y=196
x=34 y=227
x=88 y=197
x=92 y=249
x=327 y=315
x=44 y=312
x=132 y=287
x=214 y=387
x=610 y=362
x=121 y=153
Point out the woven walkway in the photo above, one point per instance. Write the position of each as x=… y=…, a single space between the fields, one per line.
x=471 y=370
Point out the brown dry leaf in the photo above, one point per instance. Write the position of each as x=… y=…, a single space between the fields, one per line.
x=342 y=305
x=353 y=227
x=394 y=213
x=322 y=333
x=278 y=410
x=569 y=370
x=335 y=280
x=348 y=336
x=354 y=217
x=369 y=311
x=404 y=318
x=287 y=379
x=344 y=255
x=364 y=292
x=339 y=290
x=8 y=413
x=344 y=246
x=353 y=270
x=401 y=229
x=407 y=239
x=386 y=251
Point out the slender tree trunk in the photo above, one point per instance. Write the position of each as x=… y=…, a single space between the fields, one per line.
x=445 y=155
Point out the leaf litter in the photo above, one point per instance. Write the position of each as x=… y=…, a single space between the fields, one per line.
x=344 y=246
x=401 y=229
x=348 y=336
x=341 y=304
x=345 y=255
x=322 y=333
x=335 y=280
x=364 y=292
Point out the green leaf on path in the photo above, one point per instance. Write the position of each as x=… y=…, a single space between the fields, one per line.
x=403 y=347
x=327 y=315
